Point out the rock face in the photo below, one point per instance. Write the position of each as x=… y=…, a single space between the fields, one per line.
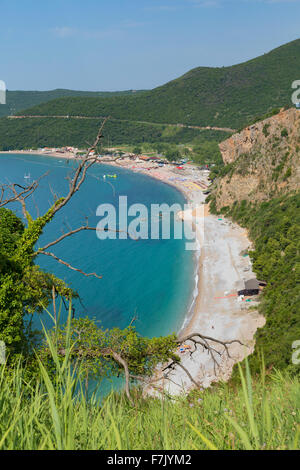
x=261 y=161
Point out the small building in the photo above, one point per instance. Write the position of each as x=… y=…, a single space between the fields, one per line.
x=144 y=158
x=251 y=288
x=298 y=105
x=252 y=284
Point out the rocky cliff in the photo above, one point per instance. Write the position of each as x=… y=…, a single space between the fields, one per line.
x=261 y=161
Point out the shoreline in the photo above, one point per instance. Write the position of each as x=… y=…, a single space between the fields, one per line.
x=220 y=269
x=188 y=200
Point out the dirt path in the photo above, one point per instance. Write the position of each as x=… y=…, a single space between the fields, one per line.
x=186 y=126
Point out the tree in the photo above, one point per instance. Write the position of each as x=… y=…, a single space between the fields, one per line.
x=173 y=155
x=24 y=287
x=105 y=353
x=137 y=150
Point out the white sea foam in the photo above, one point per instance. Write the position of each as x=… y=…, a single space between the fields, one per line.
x=190 y=311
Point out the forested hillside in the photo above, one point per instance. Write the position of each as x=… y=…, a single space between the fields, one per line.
x=18 y=100
x=259 y=189
x=50 y=132
x=205 y=96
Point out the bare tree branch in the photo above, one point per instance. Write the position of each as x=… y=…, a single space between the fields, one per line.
x=86 y=162
x=72 y=232
x=12 y=192
x=205 y=343
x=52 y=255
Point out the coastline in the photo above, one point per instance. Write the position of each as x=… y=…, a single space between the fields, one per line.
x=220 y=269
x=142 y=168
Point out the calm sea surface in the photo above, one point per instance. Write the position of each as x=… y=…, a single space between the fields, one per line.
x=150 y=279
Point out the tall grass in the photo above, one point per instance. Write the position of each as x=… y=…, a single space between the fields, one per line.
x=55 y=414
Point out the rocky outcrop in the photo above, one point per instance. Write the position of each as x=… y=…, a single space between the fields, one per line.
x=258 y=134
x=261 y=161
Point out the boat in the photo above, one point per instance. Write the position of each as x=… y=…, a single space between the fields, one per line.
x=27 y=177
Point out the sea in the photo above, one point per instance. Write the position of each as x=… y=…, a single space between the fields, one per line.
x=152 y=280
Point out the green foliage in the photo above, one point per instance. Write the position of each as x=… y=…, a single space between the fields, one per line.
x=137 y=150
x=221 y=170
x=266 y=130
x=91 y=346
x=173 y=155
x=18 y=100
x=278 y=170
x=274 y=226
x=222 y=96
x=207 y=153
x=50 y=132
x=288 y=174
x=54 y=413
x=264 y=116
x=24 y=288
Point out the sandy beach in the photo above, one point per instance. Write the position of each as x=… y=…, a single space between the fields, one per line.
x=222 y=267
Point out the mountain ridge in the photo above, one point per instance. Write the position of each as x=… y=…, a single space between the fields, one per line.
x=204 y=96
x=17 y=100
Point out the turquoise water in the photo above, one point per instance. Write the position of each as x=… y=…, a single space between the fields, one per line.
x=150 y=279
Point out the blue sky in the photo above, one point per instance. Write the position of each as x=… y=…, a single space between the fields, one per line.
x=133 y=44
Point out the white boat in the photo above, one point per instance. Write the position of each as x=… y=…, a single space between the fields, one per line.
x=27 y=177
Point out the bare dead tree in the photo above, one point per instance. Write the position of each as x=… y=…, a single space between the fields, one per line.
x=12 y=192
x=204 y=342
x=68 y=265
x=86 y=162
x=207 y=342
x=193 y=337
x=17 y=193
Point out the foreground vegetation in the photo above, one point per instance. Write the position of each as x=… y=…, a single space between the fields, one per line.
x=55 y=413
x=44 y=389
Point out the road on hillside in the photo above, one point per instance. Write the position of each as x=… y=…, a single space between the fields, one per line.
x=186 y=126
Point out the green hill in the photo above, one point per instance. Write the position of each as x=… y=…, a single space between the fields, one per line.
x=222 y=96
x=52 y=132
x=259 y=188
x=18 y=100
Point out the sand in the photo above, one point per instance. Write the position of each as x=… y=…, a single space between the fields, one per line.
x=222 y=270
x=216 y=311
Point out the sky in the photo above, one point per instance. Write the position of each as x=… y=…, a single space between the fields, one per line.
x=107 y=45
